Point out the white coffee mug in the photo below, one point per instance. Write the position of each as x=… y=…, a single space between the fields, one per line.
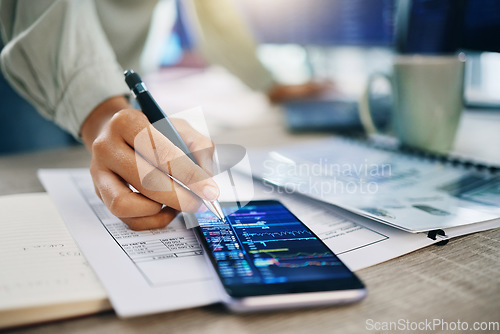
x=427 y=101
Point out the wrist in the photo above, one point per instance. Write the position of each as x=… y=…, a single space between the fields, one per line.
x=101 y=114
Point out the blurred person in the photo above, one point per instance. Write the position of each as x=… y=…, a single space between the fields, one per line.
x=67 y=57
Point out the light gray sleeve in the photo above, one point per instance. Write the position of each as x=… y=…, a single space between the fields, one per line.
x=57 y=57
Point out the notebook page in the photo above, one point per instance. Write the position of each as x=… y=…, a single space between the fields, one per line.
x=40 y=263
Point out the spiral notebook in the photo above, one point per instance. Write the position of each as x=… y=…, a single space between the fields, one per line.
x=407 y=189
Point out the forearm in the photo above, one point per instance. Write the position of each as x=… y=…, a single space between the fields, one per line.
x=58 y=58
x=223 y=38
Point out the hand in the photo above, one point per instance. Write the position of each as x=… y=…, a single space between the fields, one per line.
x=113 y=133
x=281 y=93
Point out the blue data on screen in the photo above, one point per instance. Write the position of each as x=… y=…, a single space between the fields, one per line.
x=266 y=244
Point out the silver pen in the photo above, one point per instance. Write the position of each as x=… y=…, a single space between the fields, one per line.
x=154 y=114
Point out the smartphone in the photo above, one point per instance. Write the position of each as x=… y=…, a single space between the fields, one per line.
x=267 y=259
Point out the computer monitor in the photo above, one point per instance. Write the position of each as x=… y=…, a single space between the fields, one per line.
x=412 y=26
x=447 y=26
x=481 y=28
x=322 y=22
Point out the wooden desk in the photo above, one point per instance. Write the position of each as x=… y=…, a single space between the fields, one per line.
x=459 y=281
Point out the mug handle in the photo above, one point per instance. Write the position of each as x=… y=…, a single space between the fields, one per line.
x=364 y=107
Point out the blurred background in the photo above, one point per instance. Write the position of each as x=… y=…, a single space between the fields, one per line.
x=298 y=41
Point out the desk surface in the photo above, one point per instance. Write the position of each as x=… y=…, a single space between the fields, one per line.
x=459 y=281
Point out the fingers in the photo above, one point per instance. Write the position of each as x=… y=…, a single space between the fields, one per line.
x=159 y=220
x=280 y=93
x=151 y=182
x=161 y=153
x=128 y=150
x=119 y=199
x=134 y=209
x=158 y=186
x=202 y=147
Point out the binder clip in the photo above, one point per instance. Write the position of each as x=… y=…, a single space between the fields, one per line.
x=433 y=235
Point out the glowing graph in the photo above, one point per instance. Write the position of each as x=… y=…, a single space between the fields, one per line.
x=279 y=233
x=296 y=260
x=264 y=242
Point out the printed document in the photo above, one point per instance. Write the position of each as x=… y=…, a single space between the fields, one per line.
x=406 y=191
x=161 y=270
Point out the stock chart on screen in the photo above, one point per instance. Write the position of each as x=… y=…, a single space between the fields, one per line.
x=263 y=242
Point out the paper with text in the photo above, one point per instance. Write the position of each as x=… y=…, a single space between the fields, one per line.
x=161 y=270
x=143 y=272
x=402 y=190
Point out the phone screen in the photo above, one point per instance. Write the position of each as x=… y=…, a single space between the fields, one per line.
x=262 y=248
